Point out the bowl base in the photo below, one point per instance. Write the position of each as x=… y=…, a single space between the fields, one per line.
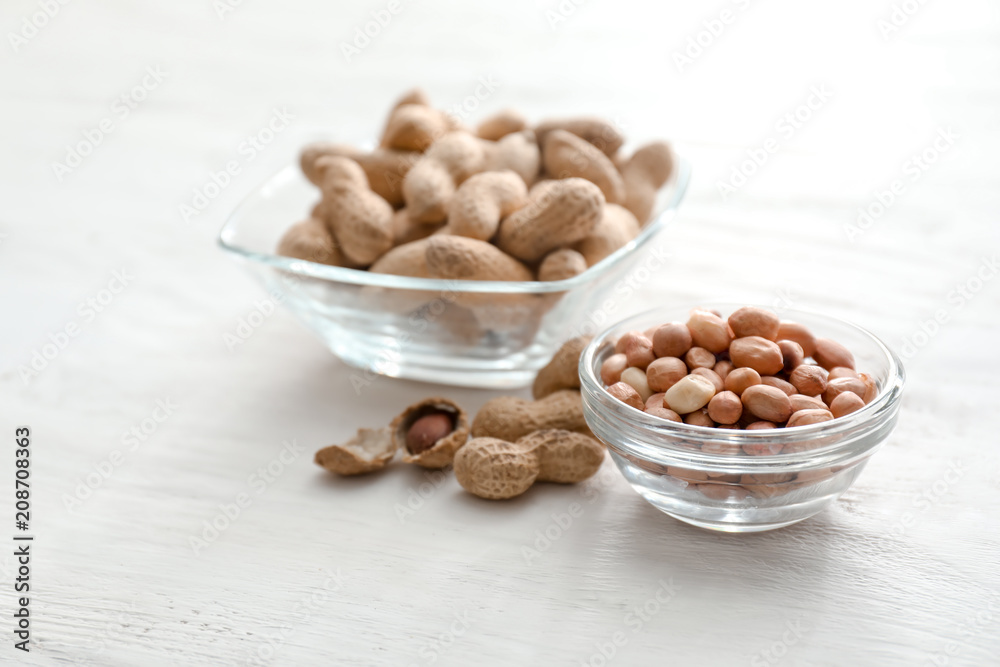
x=372 y=361
x=724 y=527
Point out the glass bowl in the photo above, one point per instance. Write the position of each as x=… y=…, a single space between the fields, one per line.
x=704 y=476
x=467 y=333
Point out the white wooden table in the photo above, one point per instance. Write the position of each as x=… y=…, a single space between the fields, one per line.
x=316 y=570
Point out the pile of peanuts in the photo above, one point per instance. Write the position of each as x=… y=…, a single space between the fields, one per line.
x=515 y=442
x=748 y=372
x=504 y=201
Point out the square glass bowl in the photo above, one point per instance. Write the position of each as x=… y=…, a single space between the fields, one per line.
x=705 y=476
x=466 y=333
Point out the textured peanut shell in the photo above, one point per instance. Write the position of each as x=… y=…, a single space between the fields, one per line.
x=368 y=450
x=517 y=152
x=362 y=223
x=312 y=241
x=564 y=457
x=385 y=168
x=500 y=124
x=510 y=417
x=459 y=258
x=596 y=131
x=414 y=127
x=405 y=260
x=562 y=214
x=644 y=174
x=561 y=264
x=482 y=201
x=443 y=451
x=430 y=184
x=495 y=469
x=566 y=155
x=615 y=229
x=360 y=220
x=409 y=259
x=405 y=229
x=413 y=96
x=562 y=370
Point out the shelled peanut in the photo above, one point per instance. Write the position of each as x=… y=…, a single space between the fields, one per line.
x=554 y=199
x=749 y=371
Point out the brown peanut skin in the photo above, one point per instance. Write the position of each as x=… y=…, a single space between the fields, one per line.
x=709 y=331
x=803 y=402
x=565 y=155
x=711 y=376
x=639 y=352
x=788 y=330
x=442 y=451
x=767 y=403
x=725 y=408
x=792 y=355
x=807 y=417
x=739 y=379
x=510 y=417
x=809 y=379
x=699 y=418
x=829 y=354
x=664 y=413
x=672 y=340
x=562 y=214
x=758 y=353
x=772 y=381
x=699 y=357
x=611 y=369
x=754 y=321
x=427 y=430
x=627 y=394
x=841 y=372
x=836 y=387
x=846 y=403
x=665 y=372
x=562 y=371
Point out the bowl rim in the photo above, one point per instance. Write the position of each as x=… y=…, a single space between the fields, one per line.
x=675 y=188
x=886 y=403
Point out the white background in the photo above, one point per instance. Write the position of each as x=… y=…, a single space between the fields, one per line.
x=116 y=581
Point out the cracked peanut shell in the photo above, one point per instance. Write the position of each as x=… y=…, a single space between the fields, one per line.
x=442 y=453
x=369 y=450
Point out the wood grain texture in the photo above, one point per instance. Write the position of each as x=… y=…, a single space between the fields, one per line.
x=318 y=570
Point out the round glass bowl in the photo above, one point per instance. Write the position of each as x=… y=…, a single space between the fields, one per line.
x=467 y=333
x=705 y=476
